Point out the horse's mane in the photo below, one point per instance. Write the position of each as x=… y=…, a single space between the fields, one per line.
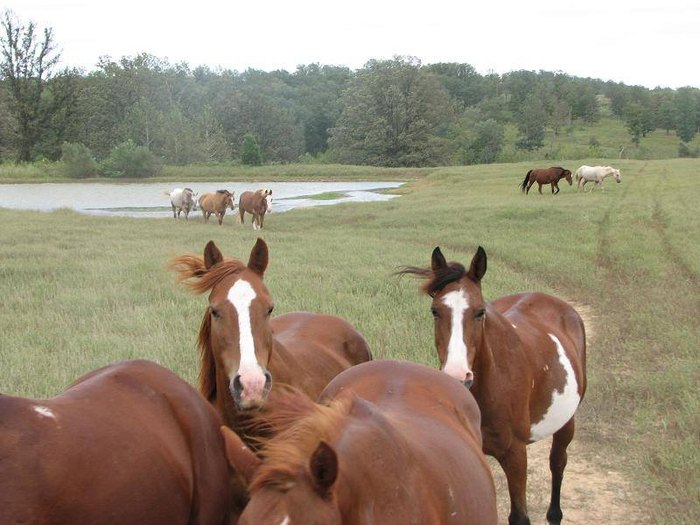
x=436 y=280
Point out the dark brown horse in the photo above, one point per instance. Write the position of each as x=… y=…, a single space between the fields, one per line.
x=524 y=357
x=216 y=203
x=257 y=203
x=392 y=443
x=128 y=443
x=245 y=351
x=545 y=176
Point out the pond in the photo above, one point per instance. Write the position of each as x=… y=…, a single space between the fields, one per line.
x=150 y=199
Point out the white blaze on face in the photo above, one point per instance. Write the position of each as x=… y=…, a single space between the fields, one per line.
x=251 y=374
x=563 y=404
x=456 y=364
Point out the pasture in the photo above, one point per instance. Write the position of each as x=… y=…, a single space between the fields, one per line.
x=81 y=291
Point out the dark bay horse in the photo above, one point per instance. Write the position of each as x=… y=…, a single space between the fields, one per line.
x=216 y=203
x=128 y=443
x=524 y=357
x=391 y=443
x=245 y=351
x=545 y=176
x=257 y=203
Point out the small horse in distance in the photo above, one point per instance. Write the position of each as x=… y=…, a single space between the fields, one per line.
x=216 y=203
x=524 y=358
x=390 y=443
x=257 y=203
x=595 y=174
x=245 y=351
x=182 y=200
x=128 y=443
x=545 y=176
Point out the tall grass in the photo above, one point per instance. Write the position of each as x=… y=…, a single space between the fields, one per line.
x=81 y=291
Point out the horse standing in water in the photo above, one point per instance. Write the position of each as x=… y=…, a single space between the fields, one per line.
x=216 y=203
x=243 y=349
x=182 y=200
x=545 y=176
x=391 y=443
x=595 y=174
x=257 y=203
x=128 y=443
x=524 y=358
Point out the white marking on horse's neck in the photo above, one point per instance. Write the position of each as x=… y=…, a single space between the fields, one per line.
x=285 y=521
x=456 y=364
x=241 y=296
x=45 y=412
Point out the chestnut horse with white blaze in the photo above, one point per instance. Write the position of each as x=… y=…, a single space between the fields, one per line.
x=245 y=351
x=216 y=203
x=257 y=203
x=390 y=443
x=524 y=358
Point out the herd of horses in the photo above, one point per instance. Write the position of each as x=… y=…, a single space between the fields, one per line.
x=294 y=423
x=584 y=175
x=256 y=203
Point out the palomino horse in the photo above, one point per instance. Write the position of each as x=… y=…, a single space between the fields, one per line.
x=243 y=348
x=216 y=203
x=257 y=203
x=545 y=176
x=595 y=174
x=392 y=443
x=128 y=443
x=524 y=357
x=182 y=200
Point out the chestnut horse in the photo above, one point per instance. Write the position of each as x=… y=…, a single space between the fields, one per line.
x=392 y=443
x=243 y=349
x=545 y=176
x=216 y=203
x=257 y=203
x=128 y=443
x=524 y=357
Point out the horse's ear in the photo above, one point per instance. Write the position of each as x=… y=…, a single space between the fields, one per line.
x=239 y=456
x=477 y=269
x=258 y=257
x=212 y=255
x=438 y=260
x=323 y=466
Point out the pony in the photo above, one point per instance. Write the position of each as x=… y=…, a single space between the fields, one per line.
x=545 y=176
x=524 y=358
x=182 y=200
x=595 y=174
x=127 y=443
x=245 y=351
x=216 y=203
x=390 y=442
x=257 y=203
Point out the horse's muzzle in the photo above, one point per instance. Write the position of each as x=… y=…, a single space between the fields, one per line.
x=250 y=395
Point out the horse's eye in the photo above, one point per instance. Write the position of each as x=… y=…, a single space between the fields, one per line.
x=435 y=312
x=479 y=314
x=215 y=313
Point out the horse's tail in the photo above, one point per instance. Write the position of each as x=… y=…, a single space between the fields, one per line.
x=524 y=184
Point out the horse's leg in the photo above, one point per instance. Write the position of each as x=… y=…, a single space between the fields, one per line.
x=539 y=187
x=529 y=185
x=262 y=219
x=174 y=216
x=557 y=463
x=220 y=216
x=514 y=464
x=554 y=185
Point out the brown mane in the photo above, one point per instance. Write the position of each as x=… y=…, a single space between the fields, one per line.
x=436 y=280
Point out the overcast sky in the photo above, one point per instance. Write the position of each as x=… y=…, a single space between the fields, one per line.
x=638 y=42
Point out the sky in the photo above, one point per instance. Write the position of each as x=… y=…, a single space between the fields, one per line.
x=639 y=42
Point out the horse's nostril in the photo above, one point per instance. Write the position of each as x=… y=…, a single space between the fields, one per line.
x=268 y=382
x=237 y=386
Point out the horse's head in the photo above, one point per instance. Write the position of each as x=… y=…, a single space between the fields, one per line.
x=231 y=200
x=567 y=175
x=617 y=174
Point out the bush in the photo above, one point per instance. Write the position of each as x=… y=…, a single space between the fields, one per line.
x=250 y=151
x=684 y=151
x=130 y=161
x=78 y=161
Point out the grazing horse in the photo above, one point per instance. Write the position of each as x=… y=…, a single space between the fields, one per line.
x=595 y=174
x=545 y=176
x=182 y=200
x=524 y=357
x=391 y=443
x=245 y=351
x=257 y=203
x=128 y=443
x=216 y=203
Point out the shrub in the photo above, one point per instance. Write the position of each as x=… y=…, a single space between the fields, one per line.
x=685 y=151
x=250 y=151
x=78 y=161
x=130 y=161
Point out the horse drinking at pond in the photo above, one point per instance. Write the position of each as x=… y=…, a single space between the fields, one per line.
x=216 y=203
x=257 y=203
x=182 y=200
x=545 y=176
x=245 y=351
x=128 y=443
x=524 y=358
x=391 y=443
x=595 y=174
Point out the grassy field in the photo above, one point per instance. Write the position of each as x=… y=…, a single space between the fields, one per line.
x=80 y=291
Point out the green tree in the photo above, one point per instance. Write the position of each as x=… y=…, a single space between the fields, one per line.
x=130 y=161
x=639 y=120
x=250 y=151
x=531 y=121
x=687 y=109
x=486 y=143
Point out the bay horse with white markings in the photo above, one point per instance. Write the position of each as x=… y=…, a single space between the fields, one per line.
x=245 y=351
x=524 y=358
x=216 y=203
x=545 y=176
x=257 y=203
x=128 y=443
x=390 y=443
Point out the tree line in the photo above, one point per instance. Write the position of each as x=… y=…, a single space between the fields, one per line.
x=141 y=110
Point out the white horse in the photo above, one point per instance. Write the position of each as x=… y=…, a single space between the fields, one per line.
x=595 y=174
x=182 y=200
